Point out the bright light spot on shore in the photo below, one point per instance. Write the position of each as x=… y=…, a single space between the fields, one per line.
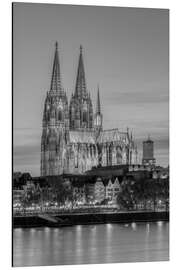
x=19 y=230
x=109 y=226
x=32 y=230
x=78 y=228
x=160 y=223
x=148 y=225
x=46 y=229
x=134 y=226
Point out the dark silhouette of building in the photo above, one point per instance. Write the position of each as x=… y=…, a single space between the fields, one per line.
x=148 y=153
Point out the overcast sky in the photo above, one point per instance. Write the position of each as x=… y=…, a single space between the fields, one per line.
x=125 y=51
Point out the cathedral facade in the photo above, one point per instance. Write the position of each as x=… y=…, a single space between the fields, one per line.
x=73 y=140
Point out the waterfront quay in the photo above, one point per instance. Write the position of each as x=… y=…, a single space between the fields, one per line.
x=115 y=194
x=56 y=219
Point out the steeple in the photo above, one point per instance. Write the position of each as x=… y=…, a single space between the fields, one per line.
x=81 y=109
x=80 y=89
x=55 y=133
x=98 y=116
x=98 y=106
x=56 y=78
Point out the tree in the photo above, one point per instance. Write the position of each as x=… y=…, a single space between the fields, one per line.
x=62 y=189
x=124 y=201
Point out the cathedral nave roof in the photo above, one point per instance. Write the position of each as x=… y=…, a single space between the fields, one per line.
x=112 y=135
x=82 y=137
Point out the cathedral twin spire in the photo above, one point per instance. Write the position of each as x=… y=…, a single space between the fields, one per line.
x=80 y=87
x=80 y=90
x=56 y=85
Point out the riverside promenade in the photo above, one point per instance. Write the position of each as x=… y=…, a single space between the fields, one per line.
x=70 y=219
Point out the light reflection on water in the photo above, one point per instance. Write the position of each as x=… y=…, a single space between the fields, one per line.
x=106 y=243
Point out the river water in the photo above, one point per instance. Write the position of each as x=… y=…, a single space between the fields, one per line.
x=106 y=243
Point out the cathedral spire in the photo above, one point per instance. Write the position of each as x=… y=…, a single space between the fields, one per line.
x=98 y=116
x=56 y=78
x=98 y=106
x=80 y=90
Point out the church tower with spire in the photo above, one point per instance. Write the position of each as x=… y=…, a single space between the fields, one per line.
x=98 y=116
x=55 y=124
x=81 y=109
x=73 y=139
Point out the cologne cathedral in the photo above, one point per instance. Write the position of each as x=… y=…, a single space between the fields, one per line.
x=73 y=140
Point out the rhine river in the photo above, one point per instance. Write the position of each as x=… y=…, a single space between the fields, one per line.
x=106 y=243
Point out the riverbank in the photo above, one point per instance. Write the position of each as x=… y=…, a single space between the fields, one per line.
x=87 y=218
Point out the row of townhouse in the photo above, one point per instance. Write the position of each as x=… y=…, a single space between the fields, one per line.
x=96 y=190
x=100 y=184
x=83 y=190
x=161 y=173
x=28 y=190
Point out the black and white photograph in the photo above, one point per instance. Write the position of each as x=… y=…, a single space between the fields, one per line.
x=90 y=181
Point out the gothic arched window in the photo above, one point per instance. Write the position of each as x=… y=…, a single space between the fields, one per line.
x=53 y=113
x=60 y=116
x=47 y=115
x=119 y=155
x=85 y=116
x=72 y=113
x=110 y=154
x=91 y=150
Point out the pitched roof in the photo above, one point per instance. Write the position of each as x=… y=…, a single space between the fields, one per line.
x=112 y=135
x=82 y=137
